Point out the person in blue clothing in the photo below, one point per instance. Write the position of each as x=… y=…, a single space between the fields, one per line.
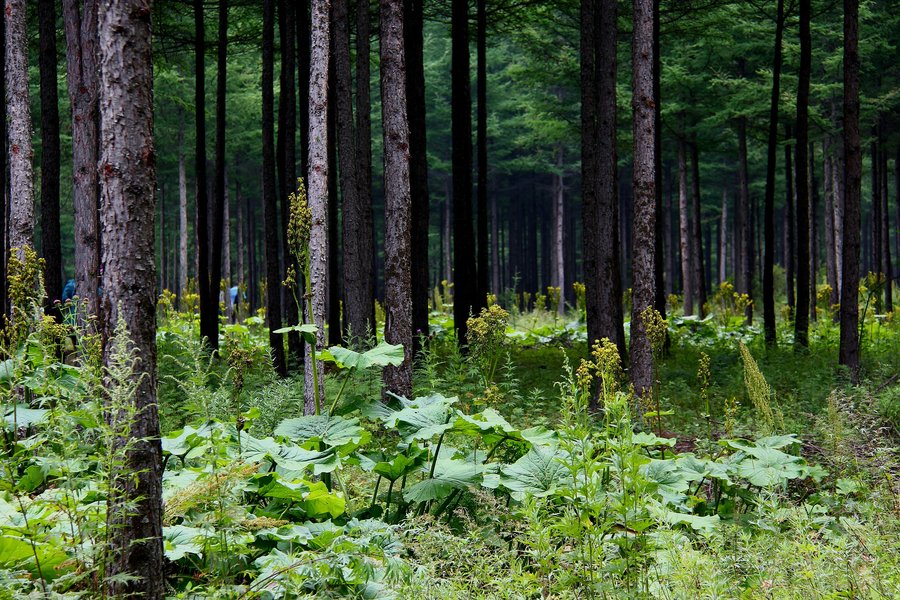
x=234 y=293
x=68 y=291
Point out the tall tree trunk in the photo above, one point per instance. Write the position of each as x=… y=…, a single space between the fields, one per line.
x=801 y=315
x=746 y=213
x=659 y=291
x=723 y=239
x=496 y=286
x=769 y=202
x=226 y=251
x=364 y=149
x=465 y=289
x=287 y=161
x=50 y=243
x=886 y=233
x=848 y=354
x=270 y=205
x=397 y=201
x=209 y=305
x=790 y=229
x=128 y=164
x=838 y=172
x=182 y=215
x=4 y=181
x=830 y=262
x=240 y=226
x=333 y=297
x=669 y=241
x=874 y=246
x=21 y=171
x=684 y=229
x=699 y=280
x=644 y=185
x=813 y=231
x=559 y=235
x=481 y=119
x=418 y=167
x=357 y=258
x=218 y=220
x=447 y=237
x=318 y=194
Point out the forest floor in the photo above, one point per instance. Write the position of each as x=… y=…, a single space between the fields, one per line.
x=753 y=472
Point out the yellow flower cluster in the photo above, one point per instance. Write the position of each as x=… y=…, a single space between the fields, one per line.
x=203 y=491
x=299 y=222
x=656 y=328
x=487 y=328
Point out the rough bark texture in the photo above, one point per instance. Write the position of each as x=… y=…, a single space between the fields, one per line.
x=418 y=167
x=481 y=201
x=128 y=181
x=21 y=173
x=4 y=246
x=270 y=205
x=769 y=200
x=813 y=230
x=465 y=297
x=397 y=201
x=848 y=354
x=659 y=290
x=801 y=315
x=697 y=276
x=600 y=201
x=558 y=277
x=209 y=305
x=50 y=243
x=790 y=244
x=644 y=185
x=318 y=192
x=885 y=236
x=830 y=262
x=723 y=239
x=684 y=228
x=366 y=232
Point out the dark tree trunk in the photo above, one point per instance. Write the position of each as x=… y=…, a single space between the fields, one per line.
x=801 y=315
x=364 y=149
x=849 y=344
x=813 y=230
x=4 y=199
x=644 y=185
x=182 y=215
x=21 y=171
x=333 y=301
x=723 y=239
x=397 y=204
x=316 y=303
x=699 y=278
x=830 y=262
x=209 y=305
x=769 y=201
x=128 y=164
x=465 y=289
x=418 y=167
x=218 y=224
x=50 y=243
x=874 y=245
x=684 y=230
x=270 y=205
x=885 y=232
x=746 y=231
x=790 y=245
x=669 y=241
x=481 y=119
x=659 y=290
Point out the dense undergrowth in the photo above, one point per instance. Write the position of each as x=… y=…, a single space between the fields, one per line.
x=752 y=473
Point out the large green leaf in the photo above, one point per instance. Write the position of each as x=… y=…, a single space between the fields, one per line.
x=540 y=472
x=449 y=474
x=332 y=431
x=319 y=503
x=422 y=418
x=767 y=467
x=306 y=330
x=21 y=415
x=288 y=457
x=382 y=355
x=180 y=540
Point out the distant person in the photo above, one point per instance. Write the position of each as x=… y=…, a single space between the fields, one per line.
x=68 y=290
x=234 y=293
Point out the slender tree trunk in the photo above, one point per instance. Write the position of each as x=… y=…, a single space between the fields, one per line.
x=465 y=289
x=218 y=212
x=659 y=291
x=270 y=205
x=418 y=168
x=813 y=231
x=644 y=185
x=559 y=274
x=481 y=118
x=128 y=164
x=209 y=320
x=496 y=286
x=448 y=221
x=830 y=262
x=874 y=246
x=684 y=229
x=839 y=174
x=21 y=173
x=226 y=251
x=886 y=233
x=240 y=226
x=50 y=242
x=723 y=243
x=333 y=297
x=801 y=315
x=398 y=203
x=318 y=193
x=182 y=215
x=849 y=344
x=364 y=149
x=699 y=280
x=745 y=250
x=669 y=241
x=769 y=202
x=600 y=200
x=4 y=180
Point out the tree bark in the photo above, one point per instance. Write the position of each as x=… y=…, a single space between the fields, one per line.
x=644 y=185
x=659 y=291
x=830 y=262
x=746 y=216
x=270 y=205
x=669 y=241
x=465 y=289
x=226 y=251
x=182 y=215
x=684 y=229
x=885 y=232
x=364 y=150
x=333 y=297
x=397 y=201
x=4 y=181
x=801 y=315
x=415 y=96
x=318 y=193
x=699 y=280
x=558 y=278
x=769 y=201
x=21 y=170
x=218 y=224
x=813 y=230
x=481 y=119
x=50 y=242
x=848 y=354
x=209 y=305
x=723 y=239
x=128 y=167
